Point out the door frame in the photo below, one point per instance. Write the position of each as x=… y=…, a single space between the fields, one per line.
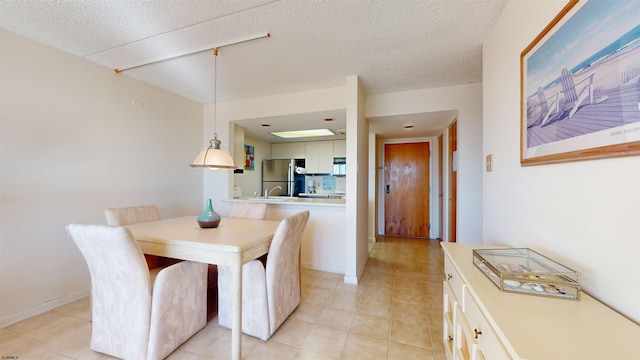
x=433 y=183
x=444 y=232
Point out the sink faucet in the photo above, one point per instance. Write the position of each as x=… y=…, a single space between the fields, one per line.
x=268 y=192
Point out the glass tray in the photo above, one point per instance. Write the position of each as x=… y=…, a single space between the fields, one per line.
x=522 y=270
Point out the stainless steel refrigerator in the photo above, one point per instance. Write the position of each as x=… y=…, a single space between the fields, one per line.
x=282 y=172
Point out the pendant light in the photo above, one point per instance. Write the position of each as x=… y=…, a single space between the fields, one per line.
x=214 y=157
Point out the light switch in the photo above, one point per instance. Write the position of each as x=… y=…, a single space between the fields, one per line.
x=489 y=162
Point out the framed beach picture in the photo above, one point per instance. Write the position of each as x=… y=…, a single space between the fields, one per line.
x=580 y=85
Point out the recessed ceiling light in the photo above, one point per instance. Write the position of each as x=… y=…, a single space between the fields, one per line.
x=303 y=133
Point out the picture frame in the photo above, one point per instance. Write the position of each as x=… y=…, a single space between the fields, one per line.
x=580 y=85
x=249 y=157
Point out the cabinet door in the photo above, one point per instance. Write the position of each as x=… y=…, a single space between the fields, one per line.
x=293 y=150
x=319 y=157
x=488 y=343
x=465 y=343
x=449 y=302
x=339 y=148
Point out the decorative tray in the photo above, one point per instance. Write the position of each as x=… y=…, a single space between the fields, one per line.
x=525 y=271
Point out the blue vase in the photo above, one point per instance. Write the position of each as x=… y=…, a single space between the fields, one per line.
x=209 y=218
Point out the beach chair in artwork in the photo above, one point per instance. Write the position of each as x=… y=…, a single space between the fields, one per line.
x=548 y=107
x=575 y=97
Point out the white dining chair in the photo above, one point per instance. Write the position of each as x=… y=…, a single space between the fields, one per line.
x=269 y=294
x=255 y=211
x=136 y=214
x=137 y=313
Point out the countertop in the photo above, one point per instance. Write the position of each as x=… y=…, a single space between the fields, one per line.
x=286 y=200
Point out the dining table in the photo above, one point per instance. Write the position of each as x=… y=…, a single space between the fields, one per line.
x=233 y=243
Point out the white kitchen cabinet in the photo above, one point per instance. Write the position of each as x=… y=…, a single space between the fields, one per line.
x=291 y=150
x=339 y=148
x=481 y=322
x=319 y=157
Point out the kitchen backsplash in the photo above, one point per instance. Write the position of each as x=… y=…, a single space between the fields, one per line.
x=327 y=184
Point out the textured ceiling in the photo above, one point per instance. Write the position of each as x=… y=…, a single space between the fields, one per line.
x=392 y=45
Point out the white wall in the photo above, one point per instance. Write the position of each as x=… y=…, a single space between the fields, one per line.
x=71 y=145
x=467 y=99
x=218 y=184
x=583 y=214
x=323 y=241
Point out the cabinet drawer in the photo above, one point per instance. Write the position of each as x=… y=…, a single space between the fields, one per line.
x=489 y=345
x=454 y=279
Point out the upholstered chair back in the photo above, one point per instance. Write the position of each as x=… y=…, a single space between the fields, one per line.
x=248 y=211
x=120 y=290
x=131 y=215
x=283 y=269
x=271 y=294
x=137 y=314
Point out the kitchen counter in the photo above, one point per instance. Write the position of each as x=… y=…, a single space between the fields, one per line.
x=324 y=238
x=286 y=200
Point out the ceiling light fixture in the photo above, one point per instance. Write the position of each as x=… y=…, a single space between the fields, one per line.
x=303 y=133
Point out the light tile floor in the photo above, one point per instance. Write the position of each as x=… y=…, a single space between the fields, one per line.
x=394 y=313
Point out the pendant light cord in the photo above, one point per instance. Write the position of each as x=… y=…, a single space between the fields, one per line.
x=215 y=93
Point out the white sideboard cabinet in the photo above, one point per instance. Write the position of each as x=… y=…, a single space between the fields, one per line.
x=481 y=322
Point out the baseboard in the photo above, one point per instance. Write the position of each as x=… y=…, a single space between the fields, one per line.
x=353 y=280
x=331 y=269
x=42 y=308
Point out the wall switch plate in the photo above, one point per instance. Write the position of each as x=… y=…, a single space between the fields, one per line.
x=489 y=162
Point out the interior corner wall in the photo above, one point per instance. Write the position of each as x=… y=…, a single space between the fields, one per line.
x=582 y=214
x=75 y=138
x=357 y=251
x=467 y=100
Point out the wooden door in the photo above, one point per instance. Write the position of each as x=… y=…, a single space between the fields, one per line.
x=406 y=189
x=453 y=179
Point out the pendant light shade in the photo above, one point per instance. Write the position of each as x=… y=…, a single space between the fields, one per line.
x=213 y=157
